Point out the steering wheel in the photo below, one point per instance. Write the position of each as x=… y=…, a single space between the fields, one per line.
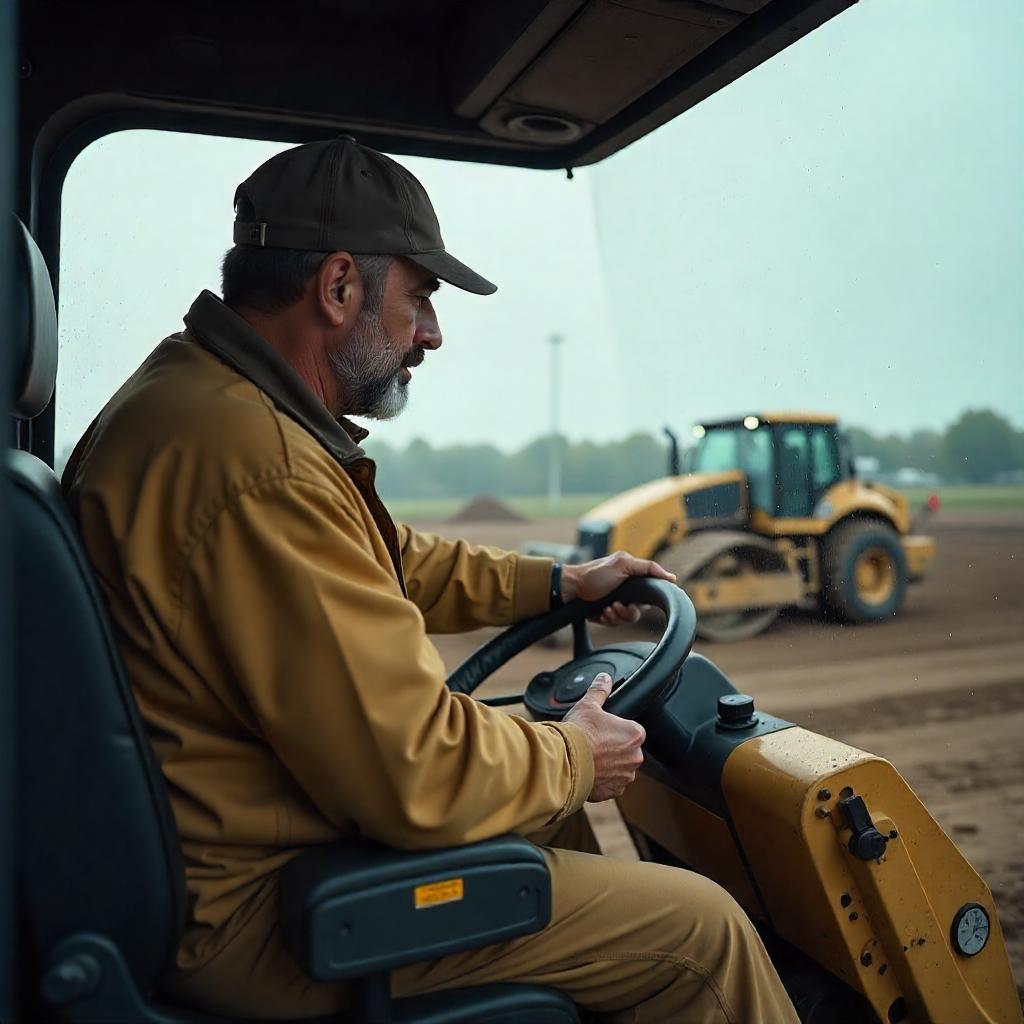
x=641 y=672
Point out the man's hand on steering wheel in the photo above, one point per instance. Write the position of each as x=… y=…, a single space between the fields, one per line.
x=615 y=742
x=593 y=580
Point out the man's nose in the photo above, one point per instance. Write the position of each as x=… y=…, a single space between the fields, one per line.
x=428 y=333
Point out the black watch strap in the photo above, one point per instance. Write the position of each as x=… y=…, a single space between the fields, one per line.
x=556 y=585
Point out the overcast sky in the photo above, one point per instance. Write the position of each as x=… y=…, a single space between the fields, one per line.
x=842 y=228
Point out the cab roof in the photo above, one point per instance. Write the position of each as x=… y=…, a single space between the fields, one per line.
x=536 y=83
x=799 y=417
x=774 y=417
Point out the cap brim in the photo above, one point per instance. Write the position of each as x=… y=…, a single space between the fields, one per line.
x=449 y=269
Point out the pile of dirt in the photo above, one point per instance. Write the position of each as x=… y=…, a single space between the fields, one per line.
x=485 y=508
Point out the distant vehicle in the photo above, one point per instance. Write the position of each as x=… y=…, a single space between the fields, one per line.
x=908 y=476
x=768 y=513
x=1009 y=477
x=866 y=465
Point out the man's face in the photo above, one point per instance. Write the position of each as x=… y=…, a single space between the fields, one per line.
x=390 y=336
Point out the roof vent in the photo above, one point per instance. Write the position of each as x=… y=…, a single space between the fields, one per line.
x=551 y=128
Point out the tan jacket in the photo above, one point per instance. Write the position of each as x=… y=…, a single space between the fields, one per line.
x=274 y=621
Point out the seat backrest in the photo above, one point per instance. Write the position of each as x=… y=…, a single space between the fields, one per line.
x=98 y=850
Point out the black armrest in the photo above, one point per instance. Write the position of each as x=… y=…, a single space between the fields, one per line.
x=356 y=908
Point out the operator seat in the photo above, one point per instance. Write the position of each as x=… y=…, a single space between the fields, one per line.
x=101 y=880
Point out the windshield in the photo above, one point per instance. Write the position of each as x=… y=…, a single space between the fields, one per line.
x=750 y=451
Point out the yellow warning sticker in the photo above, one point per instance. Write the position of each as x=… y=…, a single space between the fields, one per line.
x=436 y=893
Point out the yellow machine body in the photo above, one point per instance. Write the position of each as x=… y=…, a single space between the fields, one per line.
x=781 y=848
x=647 y=518
x=846 y=498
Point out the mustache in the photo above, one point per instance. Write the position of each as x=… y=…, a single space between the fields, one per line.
x=415 y=357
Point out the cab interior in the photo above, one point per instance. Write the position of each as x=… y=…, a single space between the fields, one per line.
x=546 y=84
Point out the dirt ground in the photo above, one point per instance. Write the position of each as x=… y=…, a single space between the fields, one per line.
x=939 y=691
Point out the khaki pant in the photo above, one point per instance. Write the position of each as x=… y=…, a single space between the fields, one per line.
x=631 y=942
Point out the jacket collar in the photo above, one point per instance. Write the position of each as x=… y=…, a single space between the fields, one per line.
x=235 y=342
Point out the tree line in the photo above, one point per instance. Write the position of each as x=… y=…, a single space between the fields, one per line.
x=978 y=447
x=463 y=470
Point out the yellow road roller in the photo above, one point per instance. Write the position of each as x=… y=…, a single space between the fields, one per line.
x=769 y=513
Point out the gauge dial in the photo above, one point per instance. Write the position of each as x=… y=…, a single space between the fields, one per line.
x=970 y=929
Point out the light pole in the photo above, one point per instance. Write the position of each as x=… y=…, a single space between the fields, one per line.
x=554 y=454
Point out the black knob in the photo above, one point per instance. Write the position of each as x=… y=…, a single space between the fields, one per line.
x=736 y=711
x=868 y=845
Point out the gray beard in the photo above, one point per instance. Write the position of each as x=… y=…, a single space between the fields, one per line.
x=368 y=371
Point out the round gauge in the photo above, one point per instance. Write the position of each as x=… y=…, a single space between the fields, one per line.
x=970 y=929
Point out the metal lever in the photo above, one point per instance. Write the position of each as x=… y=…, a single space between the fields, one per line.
x=867 y=842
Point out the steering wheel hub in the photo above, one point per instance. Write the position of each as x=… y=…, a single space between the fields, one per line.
x=549 y=695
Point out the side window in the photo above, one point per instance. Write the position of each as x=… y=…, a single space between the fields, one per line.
x=717 y=451
x=757 y=462
x=146 y=219
x=794 y=493
x=824 y=461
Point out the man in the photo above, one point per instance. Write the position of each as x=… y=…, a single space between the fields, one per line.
x=274 y=621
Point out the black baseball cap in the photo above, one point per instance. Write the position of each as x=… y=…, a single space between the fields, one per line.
x=334 y=195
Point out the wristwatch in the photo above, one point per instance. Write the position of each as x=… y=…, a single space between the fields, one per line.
x=556 y=586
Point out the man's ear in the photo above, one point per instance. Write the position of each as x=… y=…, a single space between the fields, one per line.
x=338 y=290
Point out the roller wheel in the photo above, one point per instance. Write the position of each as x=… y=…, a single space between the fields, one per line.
x=717 y=555
x=864 y=571
x=724 y=627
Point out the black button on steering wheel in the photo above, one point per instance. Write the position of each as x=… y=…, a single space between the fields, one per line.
x=641 y=672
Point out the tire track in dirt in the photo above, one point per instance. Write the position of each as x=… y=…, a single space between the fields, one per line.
x=956 y=705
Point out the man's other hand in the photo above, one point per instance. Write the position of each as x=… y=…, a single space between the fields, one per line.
x=615 y=741
x=593 y=580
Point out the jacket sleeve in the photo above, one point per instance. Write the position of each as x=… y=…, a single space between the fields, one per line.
x=348 y=690
x=460 y=586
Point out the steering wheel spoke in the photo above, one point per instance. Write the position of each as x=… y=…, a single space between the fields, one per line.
x=581 y=642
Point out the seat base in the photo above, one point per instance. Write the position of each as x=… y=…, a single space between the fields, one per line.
x=88 y=981
x=487 y=1004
